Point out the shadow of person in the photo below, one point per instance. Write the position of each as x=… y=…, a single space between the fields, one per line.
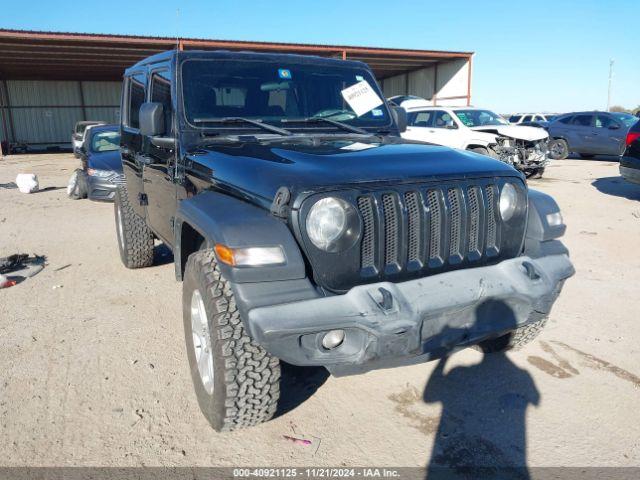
x=617 y=187
x=482 y=430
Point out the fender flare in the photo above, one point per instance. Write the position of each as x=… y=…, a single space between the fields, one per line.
x=220 y=218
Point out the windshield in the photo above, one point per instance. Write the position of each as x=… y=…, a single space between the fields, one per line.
x=626 y=118
x=261 y=90
x=105 y=141
x=479 y=118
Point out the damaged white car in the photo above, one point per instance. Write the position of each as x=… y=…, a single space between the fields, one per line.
x=480 y=131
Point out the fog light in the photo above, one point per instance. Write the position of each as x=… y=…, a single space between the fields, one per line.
x=333 y=339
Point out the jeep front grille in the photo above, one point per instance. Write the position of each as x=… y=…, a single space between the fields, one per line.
x=428 y=228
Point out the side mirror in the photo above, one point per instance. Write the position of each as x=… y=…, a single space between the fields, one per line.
x=400 y=115
x=152 y=119
x=614 y=126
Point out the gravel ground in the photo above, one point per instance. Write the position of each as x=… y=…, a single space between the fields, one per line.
x=94 y=372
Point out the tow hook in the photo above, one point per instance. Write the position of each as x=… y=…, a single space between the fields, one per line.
x=530 y=271
x=387 y=299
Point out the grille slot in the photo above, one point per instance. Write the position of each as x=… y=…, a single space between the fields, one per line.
x=367 y=252
x=474 y=216
x=491 y=218
x=390 y=229
x=414 y=229
x=455 y=219
x=436 y=224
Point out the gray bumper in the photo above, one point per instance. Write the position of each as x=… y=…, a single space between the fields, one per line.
x=425 y=319
x=101 y=188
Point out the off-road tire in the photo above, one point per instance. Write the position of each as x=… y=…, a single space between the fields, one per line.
x=558 y=149
x=517 y=338
x=246 y=379
x=135 y=239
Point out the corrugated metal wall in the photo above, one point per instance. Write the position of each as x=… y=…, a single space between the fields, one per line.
x=452 y=79
x=43 y=113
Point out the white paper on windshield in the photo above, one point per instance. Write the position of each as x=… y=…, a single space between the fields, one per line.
x=361 y=97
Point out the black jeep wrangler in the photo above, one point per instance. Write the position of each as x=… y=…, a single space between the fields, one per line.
x=305 y=230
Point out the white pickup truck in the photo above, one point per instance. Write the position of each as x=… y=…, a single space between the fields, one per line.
x=477 y=130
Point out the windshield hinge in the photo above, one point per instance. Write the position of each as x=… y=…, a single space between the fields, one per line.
x=279 y=206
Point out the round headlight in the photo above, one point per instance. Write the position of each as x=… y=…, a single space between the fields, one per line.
x=508 y=201
x=331 y=224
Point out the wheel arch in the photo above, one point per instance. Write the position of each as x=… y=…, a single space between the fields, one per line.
x=211 y=218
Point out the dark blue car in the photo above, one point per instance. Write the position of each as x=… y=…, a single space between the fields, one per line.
x=101 y=170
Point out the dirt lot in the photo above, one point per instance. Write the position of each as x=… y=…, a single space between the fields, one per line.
x=94 y=372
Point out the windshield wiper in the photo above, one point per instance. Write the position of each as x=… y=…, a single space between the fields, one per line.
x=255 y=123
x=335 y=123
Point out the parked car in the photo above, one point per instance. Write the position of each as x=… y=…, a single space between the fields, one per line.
x=630 y=161
x=305 y=230
x=589 y=134
x=77 y=136
x=529 y=118
x=480 y=131
x=101 y=170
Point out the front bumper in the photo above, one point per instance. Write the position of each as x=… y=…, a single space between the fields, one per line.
x=425 y=319
x=630 y=169
x=103 y=188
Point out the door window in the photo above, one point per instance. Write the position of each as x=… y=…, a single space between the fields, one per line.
x=604 y=121
x=420 y=119
x=566 y=120
x=161 y=93
x=527 y=118
x=135 y=99
x=443 y=120
x=582 y=120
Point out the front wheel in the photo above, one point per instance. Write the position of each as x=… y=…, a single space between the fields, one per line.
x=237 y=382
x=517 y=338
x=558 y=149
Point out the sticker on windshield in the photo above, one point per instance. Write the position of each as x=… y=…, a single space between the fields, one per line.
x=361 y=98
x=359 y=78
x=357 y=146
x=284 y=73
x=376 y=112
x=464 y=119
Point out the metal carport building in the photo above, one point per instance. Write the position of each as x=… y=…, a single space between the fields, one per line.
x=50 y=80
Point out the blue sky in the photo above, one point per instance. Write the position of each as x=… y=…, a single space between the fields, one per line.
x=538 y=55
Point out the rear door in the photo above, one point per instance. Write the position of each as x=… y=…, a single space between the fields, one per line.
x=159 y=170
x=608 y=139
x=419 y=126
x=580 y=133
x=133 y=96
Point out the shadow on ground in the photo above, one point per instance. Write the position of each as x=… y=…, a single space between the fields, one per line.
x=618 y=187
x=162 y=255
x=297 y=385
x=482 y=429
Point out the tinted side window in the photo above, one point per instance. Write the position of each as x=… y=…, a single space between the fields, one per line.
x=566 y=120
x=443 y=120
x=514 y=118
x=136 y=98
x=527 y=118
x=420 y=119
x=582 y=120
x=604 y=121
x=161 y=93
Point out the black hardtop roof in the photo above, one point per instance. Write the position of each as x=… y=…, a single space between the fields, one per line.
x=228 y=54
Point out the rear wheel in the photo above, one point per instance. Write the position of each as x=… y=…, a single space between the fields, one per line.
x=135 y=239
x=558 y=149
x=237 y=382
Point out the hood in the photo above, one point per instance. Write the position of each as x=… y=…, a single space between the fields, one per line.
x=260 y=168
x=106 y=161
x=530 y=134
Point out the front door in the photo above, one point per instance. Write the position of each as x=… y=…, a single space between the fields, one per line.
x=160 y=164
x=610 y=135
